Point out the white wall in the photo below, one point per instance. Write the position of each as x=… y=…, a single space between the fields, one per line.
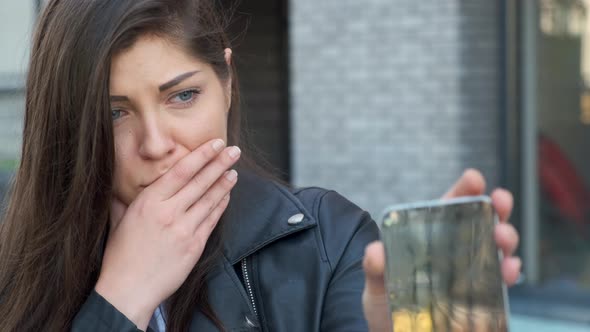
x=16 y=25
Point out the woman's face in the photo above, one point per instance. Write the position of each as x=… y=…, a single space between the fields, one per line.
x=165 y=103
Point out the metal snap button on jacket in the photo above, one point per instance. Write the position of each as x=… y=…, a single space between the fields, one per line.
x=295 y=219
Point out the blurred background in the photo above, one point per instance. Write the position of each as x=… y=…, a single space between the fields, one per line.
x=388 y=101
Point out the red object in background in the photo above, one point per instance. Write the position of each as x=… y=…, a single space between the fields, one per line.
x=563 y=185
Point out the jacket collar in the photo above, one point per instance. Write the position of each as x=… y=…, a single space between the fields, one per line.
x=258 y=214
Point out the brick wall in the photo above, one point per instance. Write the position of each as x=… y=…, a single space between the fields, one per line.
x=392 y=99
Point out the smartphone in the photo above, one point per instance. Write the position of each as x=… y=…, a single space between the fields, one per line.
x=442 y=269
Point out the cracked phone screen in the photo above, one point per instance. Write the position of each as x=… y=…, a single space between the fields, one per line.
x=443 y=267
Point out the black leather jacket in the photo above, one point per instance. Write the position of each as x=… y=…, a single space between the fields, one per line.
x=292 y=262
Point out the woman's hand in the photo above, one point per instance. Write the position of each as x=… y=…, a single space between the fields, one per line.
x=471 y=183
x=156 y=241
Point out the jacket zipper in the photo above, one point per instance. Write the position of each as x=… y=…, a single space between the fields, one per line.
x=249 y=285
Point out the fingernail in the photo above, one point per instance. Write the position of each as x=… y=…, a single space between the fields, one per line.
x=226 y=197
x=231 y=175
x=218 y=144
x=234 y=152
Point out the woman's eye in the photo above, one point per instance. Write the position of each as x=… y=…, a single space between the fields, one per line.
x=115 y=114
x=184 y=97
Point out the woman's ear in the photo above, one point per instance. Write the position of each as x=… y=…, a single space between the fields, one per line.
x=227 y=56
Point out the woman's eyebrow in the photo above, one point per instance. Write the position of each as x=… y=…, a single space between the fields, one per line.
x=118 y=98
x=176 y=80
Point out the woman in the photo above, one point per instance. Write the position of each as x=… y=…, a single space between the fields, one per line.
x=121 y=216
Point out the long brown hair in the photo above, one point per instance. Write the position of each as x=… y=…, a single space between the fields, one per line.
x=53 y=232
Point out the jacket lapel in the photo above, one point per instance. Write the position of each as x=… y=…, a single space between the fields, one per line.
x=258 y=214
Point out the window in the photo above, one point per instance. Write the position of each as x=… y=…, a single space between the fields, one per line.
x=563 y=89
x=555 y=172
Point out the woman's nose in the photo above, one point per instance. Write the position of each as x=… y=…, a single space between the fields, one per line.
x=157 y=141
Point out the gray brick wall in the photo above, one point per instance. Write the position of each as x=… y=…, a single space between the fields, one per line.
x=392 y=99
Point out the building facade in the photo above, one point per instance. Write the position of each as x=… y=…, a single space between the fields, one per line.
x=388 y=101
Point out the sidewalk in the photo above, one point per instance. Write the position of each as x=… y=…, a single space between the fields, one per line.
x=520 y=323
